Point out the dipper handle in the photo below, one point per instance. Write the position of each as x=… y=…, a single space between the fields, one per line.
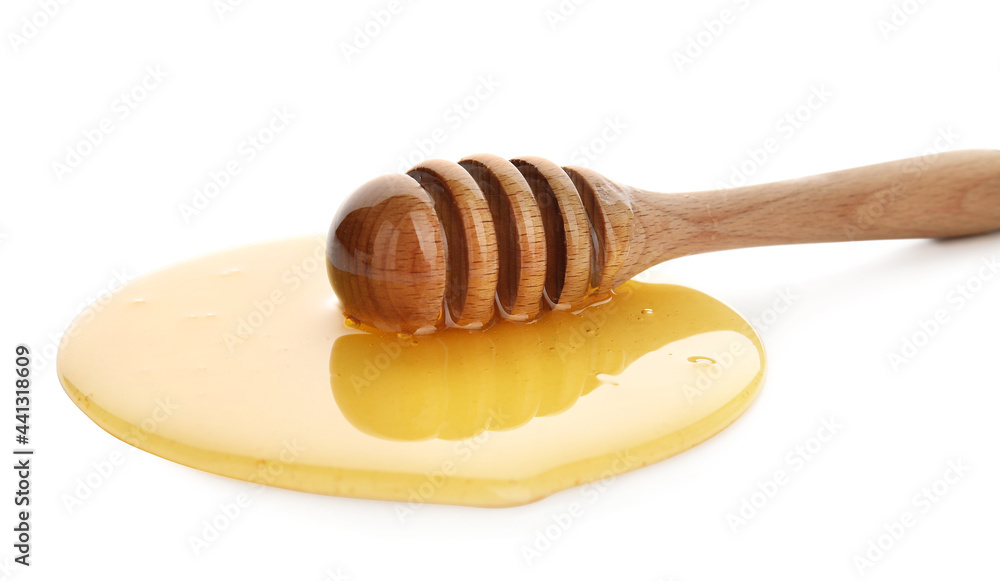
x=935 y=196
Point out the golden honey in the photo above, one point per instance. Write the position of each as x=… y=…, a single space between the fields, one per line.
x=240 y=363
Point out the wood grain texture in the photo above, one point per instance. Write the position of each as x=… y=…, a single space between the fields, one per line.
x=470 y=236
x=609 y=209
x=567 y=228
x=519 y=230
x=936 y=196
x=385 y=256
x=464 y=237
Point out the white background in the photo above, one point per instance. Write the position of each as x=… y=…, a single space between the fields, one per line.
x=893 y=90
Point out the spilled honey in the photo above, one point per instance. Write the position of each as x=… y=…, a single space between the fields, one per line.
x=240 y=364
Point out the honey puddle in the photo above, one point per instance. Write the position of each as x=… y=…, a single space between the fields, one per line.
x=240 y=364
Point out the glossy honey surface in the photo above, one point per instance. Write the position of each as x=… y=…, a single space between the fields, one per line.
x=261 y=379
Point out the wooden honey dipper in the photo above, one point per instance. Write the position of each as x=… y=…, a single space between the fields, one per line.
x=458 y=244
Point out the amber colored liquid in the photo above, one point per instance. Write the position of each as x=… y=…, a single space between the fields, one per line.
x=241 y=364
